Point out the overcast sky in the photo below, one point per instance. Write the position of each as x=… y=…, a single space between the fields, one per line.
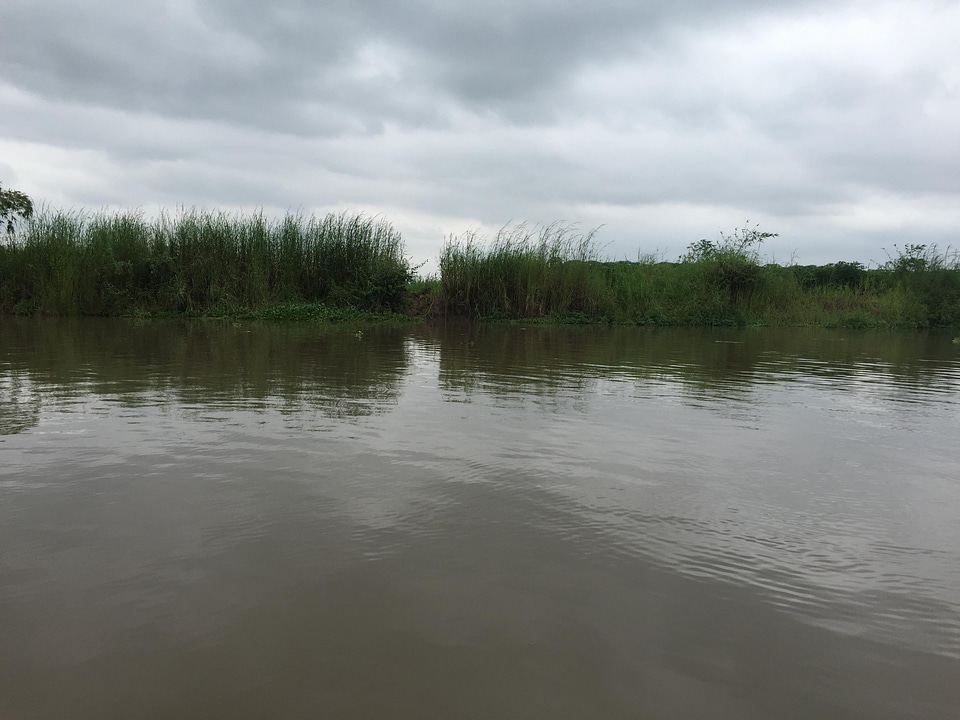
x=836 y=124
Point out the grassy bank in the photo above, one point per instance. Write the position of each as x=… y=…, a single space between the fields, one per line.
x=342 y=267
x=555 y=275
x=201 y=264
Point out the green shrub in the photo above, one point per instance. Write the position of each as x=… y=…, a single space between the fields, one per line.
x=198 y=262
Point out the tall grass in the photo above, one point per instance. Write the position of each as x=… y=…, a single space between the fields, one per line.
x=212 y=263
x=524 y=272
x=199 y=262
x=558 y=274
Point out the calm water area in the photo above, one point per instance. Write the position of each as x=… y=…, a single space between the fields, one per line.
x=233 y=520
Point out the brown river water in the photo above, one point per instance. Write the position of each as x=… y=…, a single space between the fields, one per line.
x=218 y=520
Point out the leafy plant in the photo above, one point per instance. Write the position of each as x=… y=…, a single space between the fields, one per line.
x=14 y=205
x=731 y=264
x=920 y=257
x=743 y=243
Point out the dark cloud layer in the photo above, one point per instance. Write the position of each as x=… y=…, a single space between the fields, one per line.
x=835 y=122
x=331 y=67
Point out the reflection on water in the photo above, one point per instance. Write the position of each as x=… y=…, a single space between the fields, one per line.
x=212 y=364
x=477 y=521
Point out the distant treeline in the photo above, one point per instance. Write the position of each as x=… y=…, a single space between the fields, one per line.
x=200 y=263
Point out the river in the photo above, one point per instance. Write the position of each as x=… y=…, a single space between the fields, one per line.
x=215 y=519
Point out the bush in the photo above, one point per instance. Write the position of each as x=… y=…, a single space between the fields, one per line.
x=15 y=207
x=731 y=265
x=199 y=262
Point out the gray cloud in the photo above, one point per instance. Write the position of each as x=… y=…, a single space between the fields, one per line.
x=833 y=122
x=303 y=66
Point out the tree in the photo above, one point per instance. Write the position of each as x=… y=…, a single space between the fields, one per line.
x=14 y=205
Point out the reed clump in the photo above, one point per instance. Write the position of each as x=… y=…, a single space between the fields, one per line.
x=524 y=272
x=339 y=267
x=557 y=274
x=199 y=263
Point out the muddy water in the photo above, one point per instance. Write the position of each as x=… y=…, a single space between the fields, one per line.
x=213 y=520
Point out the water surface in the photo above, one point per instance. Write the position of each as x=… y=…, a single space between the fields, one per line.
x=246 y=521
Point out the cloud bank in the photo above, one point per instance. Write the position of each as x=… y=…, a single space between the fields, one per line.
x=833 y=124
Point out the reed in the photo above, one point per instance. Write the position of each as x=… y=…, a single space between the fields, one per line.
x=524 y=272
x=340 y=267
x=198 y=262
x=556 y=274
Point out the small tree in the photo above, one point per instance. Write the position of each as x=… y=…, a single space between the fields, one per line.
x=733 y=263
x=742 y=244
x=14 y=205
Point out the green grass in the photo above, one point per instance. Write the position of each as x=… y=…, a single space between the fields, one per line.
x=556 y=275
x=200 y=263
x=523 y=273
x=342 y=268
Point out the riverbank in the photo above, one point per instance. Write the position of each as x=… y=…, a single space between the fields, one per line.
x=203 y=264
x=343 y=268
x=554 y=275
x=702 y=294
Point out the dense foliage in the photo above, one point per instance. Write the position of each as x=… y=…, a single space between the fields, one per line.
x=340 y=266
x=199 y=263
x=557 y=275
x=15 y=206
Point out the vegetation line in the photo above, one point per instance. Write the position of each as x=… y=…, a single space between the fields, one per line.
x=200 y=264
x=555 y=274
x=348 y=267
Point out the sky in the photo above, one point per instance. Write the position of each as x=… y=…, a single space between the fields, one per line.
x=835 y=124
